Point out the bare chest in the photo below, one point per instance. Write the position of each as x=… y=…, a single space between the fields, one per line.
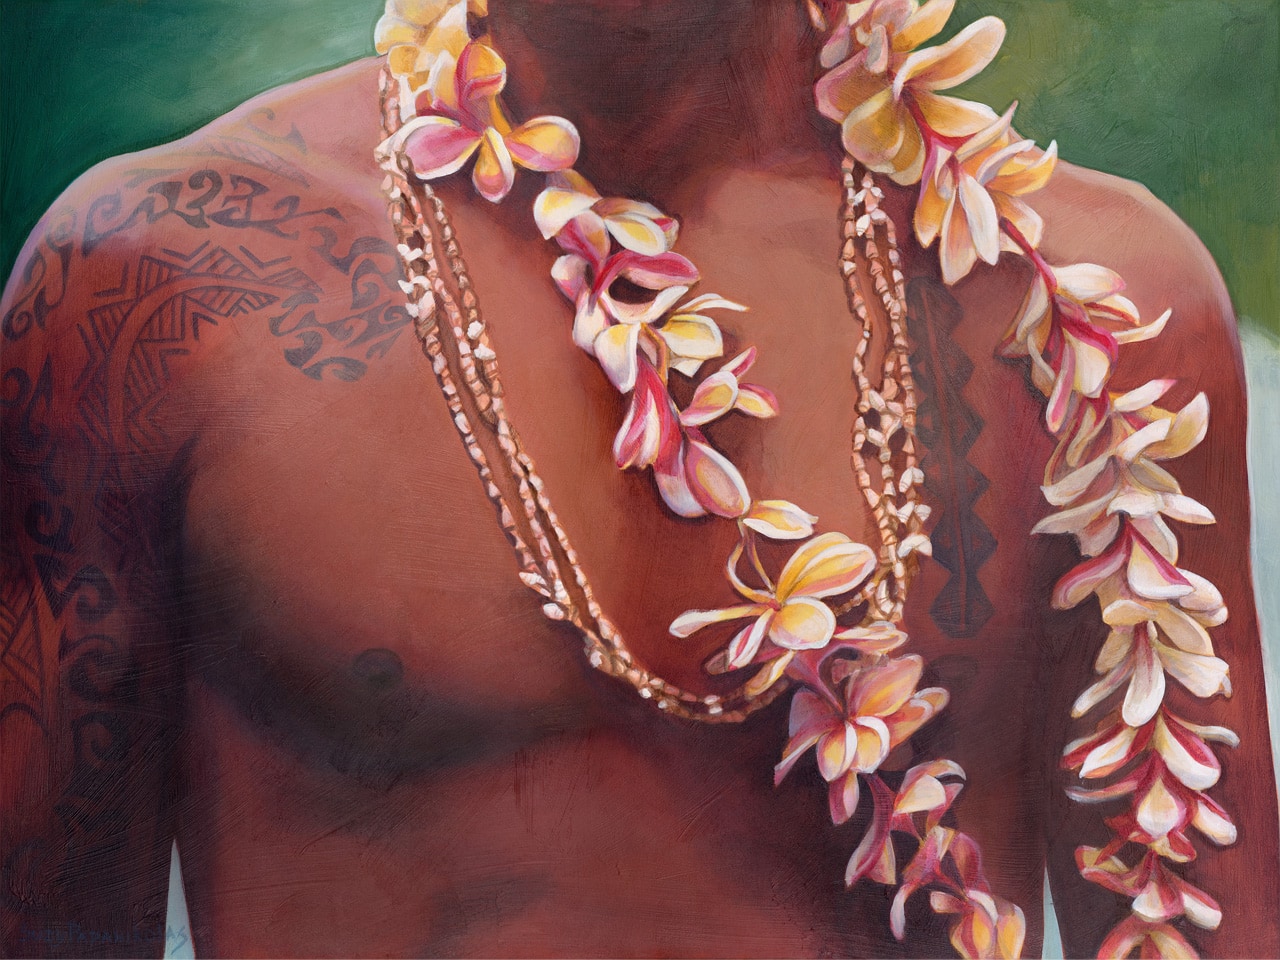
x=335 y=515
x=362 y=640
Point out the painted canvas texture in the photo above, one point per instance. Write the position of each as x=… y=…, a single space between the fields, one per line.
x=1181 y=97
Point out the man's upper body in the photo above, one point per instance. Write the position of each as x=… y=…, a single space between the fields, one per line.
x=254 y=597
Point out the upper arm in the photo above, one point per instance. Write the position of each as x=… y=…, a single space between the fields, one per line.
x=89 y=704
x=1167 y=267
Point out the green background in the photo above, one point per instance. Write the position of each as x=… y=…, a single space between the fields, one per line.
x=1182 y=95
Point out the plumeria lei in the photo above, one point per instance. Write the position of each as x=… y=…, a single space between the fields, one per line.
x=857 y=697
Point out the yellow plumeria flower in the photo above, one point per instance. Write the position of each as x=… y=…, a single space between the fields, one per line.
x=885 y=95
x=966 y=193
x=571 y=199
x=460 y=117
x=413 y=33
x=791 y=615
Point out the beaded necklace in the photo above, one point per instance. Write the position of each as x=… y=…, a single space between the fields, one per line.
x=854 y=699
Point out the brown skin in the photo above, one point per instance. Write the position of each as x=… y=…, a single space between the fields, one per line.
x=262 y=604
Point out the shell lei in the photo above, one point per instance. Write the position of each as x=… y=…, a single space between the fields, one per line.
x=855 y=698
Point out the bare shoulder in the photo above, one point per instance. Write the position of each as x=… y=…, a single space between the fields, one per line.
x=1099 y=218
x=267 y=225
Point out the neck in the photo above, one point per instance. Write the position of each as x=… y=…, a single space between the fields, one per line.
x=662 y=89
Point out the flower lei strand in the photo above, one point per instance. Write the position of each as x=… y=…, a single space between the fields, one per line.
x=855 y=700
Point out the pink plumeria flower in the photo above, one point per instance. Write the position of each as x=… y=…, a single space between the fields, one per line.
x=459 y=116
x=1182 y=748
x=413 y=33
x=1081 y=324
x=609 y=328
x=1166 y=786
x=724 y=391
x=989 y=926
x=1147 y=640
x=885 y=94
x=1128 y=436
x=1158 y=893
x=1133 y=564
x=878 y=708
x=1138 y=655
x=693 y=478
x=1159 y=941
x=571 y=202
x=791 y=616
x=966 y=192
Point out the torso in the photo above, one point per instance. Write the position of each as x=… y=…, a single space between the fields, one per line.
x=388 y=744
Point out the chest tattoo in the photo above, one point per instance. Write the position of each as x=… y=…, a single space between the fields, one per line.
x=948 y=427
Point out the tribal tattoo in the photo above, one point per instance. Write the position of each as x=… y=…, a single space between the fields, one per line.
x=949 y=427
x=90 y=694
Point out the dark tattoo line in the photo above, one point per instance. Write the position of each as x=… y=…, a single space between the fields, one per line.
x=949 y=427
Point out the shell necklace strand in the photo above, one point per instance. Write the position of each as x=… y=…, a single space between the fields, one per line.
x=827 y=625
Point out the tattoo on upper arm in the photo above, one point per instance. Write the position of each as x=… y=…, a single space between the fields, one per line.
x=948 y=426
x=83 y=411
x=163 y=297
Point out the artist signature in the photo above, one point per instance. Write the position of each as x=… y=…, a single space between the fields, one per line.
x=175 y=938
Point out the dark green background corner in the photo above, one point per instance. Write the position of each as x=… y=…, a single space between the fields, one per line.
x=1183 y=95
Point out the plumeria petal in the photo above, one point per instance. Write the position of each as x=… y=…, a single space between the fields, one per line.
x=1146 y=687
x=1211 y=820
x=746 y=643
x=544 y=144
x=1142 y=396
x=874 y=741
x=873 y=856
x=779 y=520
x=494 y=172
x=1185 y=755
x=555 y=207
x=872 y=131
x=691 y=339
x=836 y=750
x=843 y=797
x=1203 y=676
x=756 y=401
x=951 y=116
x=884 y=687
x=1111 y=754
x=842 y=89
x=980 y=212
x=674 y=486
x=638 y=233
x=957 y=253
x=1092 y=364
x=1087 y=281
x=1028 y=173
x=692 y=621
x=802 y=624
x=1082 y=579
x=963 y=56
x=1152 y=576
x=1146 y=332
x=437 y=146
x=714 y=397
x=924 y=24
x=825 y=566
x=1160 y=810
x=1188 y=428
x=772 y=671
x=715 y=481
x=616 y=349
